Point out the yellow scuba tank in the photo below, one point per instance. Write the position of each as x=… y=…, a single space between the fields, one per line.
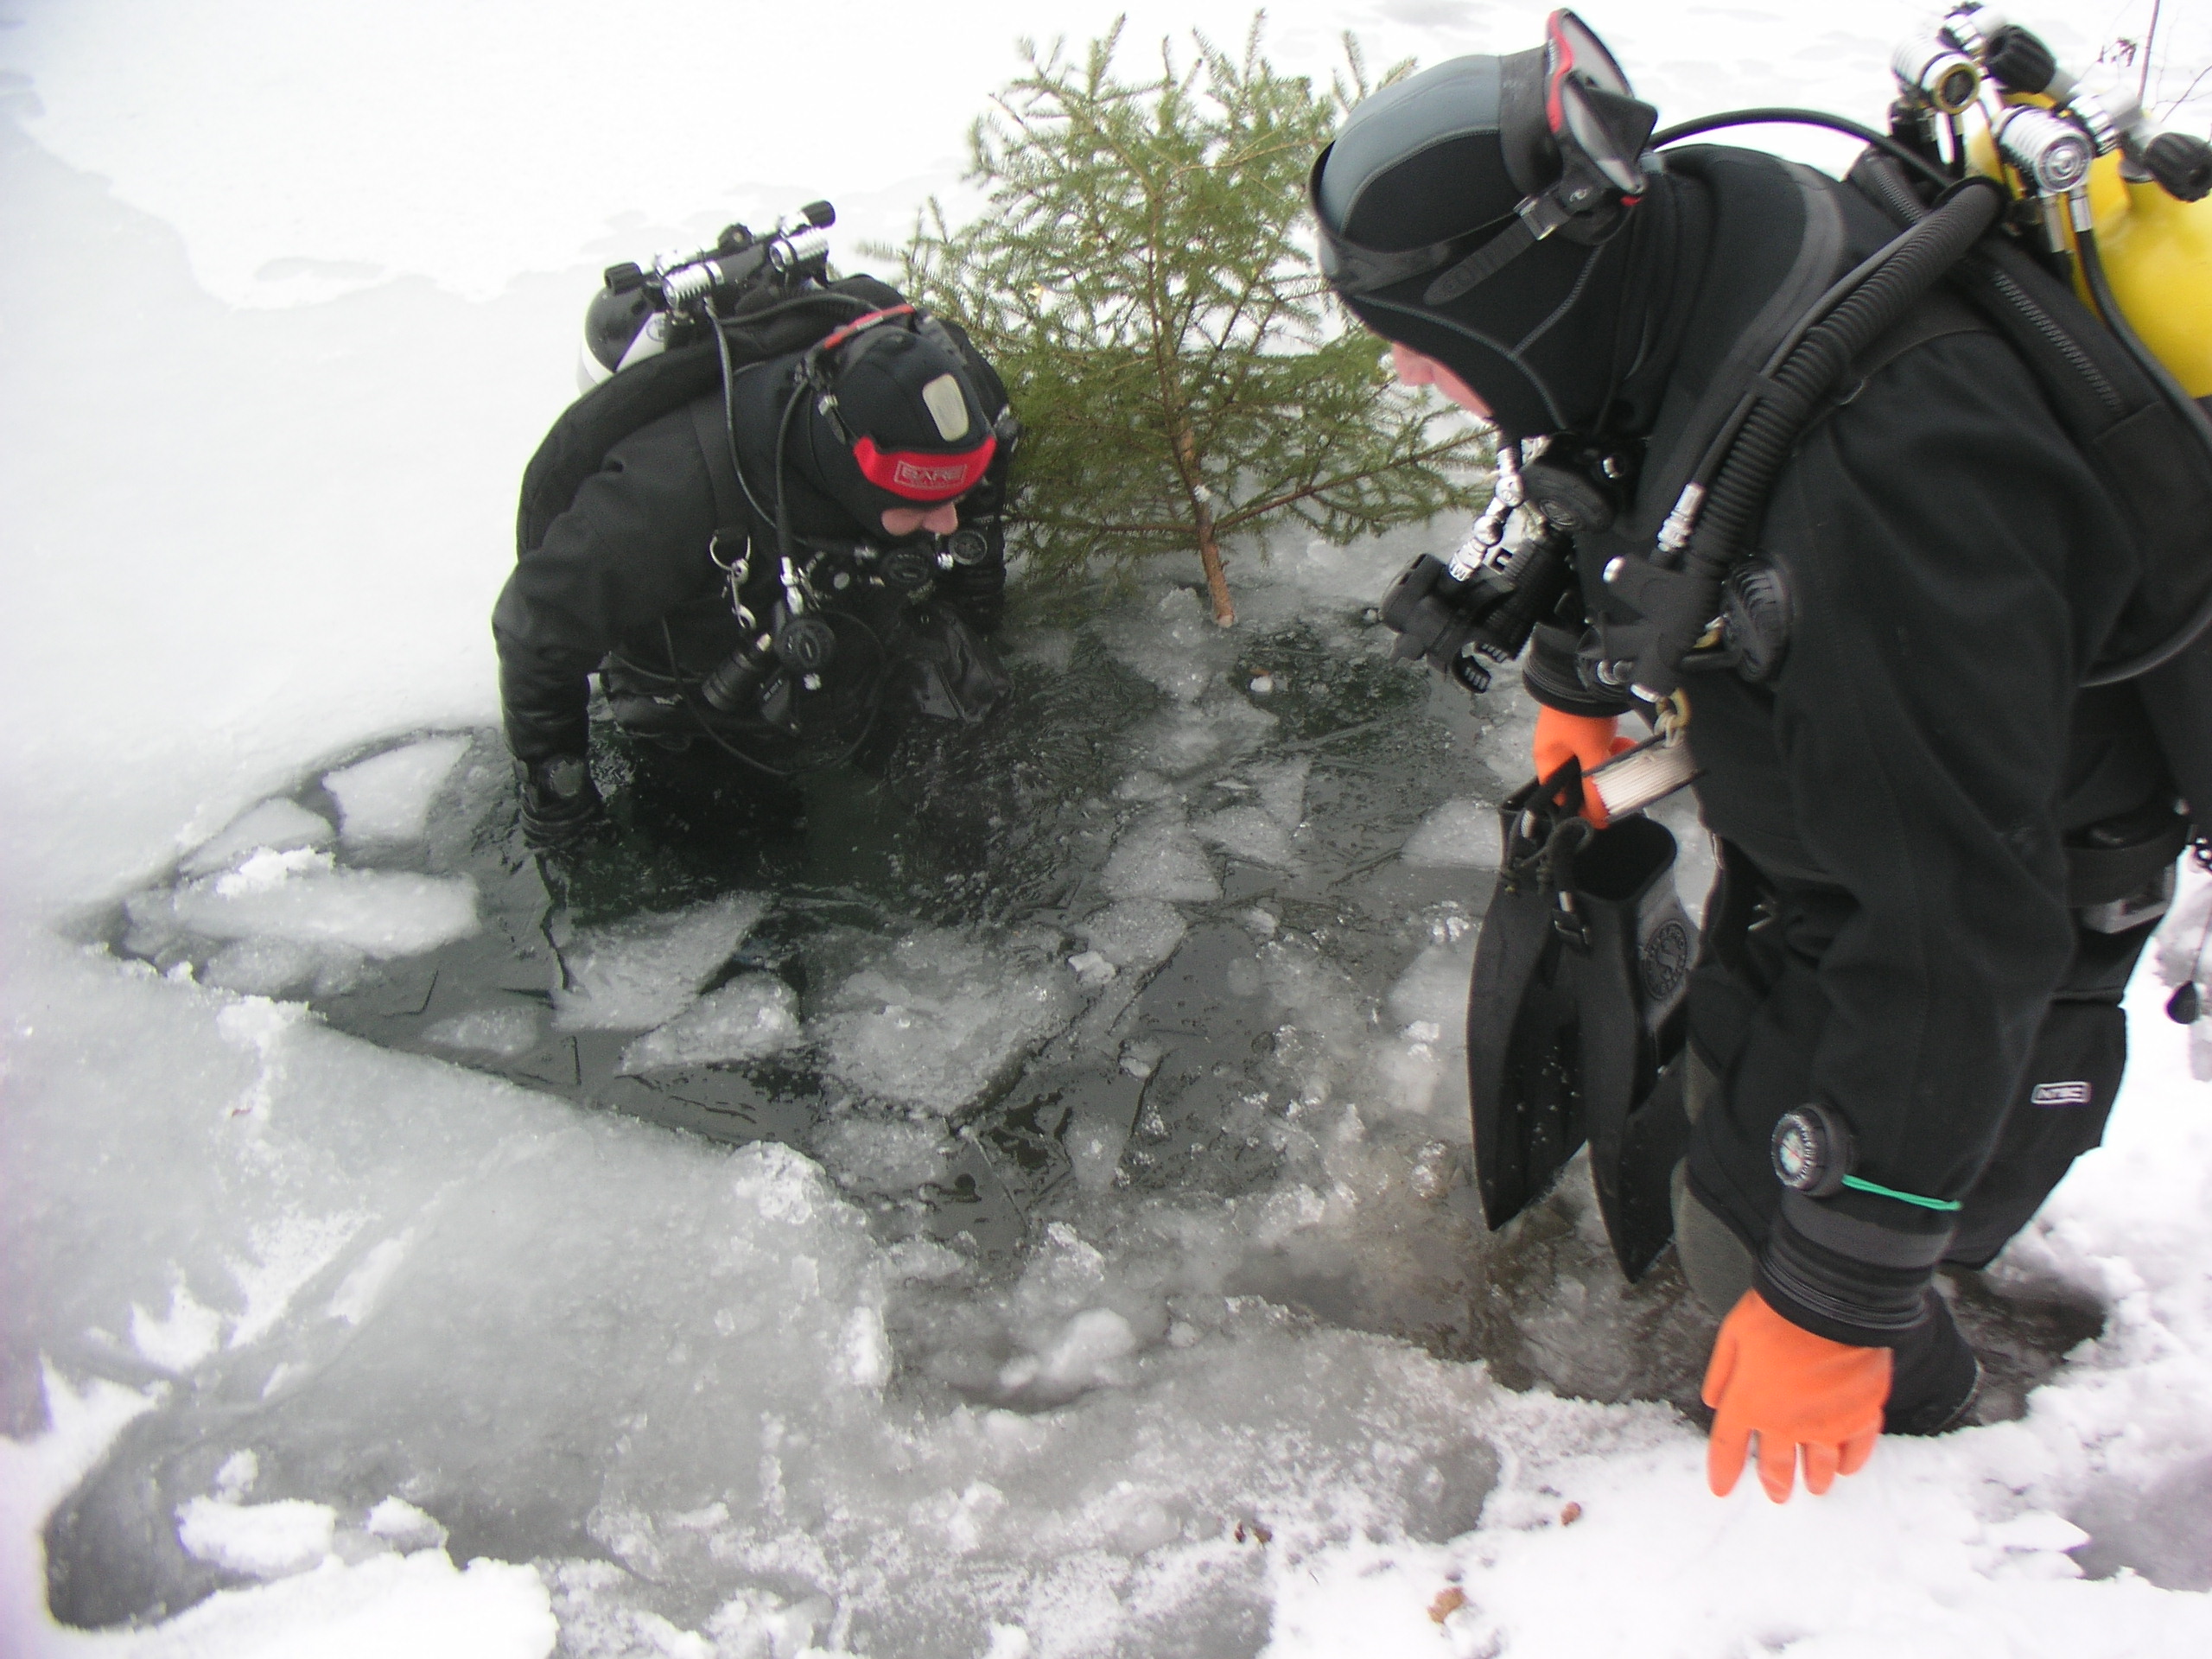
x=2158 y=256
x=2156 y=252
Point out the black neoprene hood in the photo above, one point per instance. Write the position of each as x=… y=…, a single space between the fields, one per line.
x=1428 y=159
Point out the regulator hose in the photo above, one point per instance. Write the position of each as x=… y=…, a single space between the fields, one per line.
x=1791 y=117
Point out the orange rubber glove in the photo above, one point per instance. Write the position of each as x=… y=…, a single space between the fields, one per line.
x=1587 y=738
x=1793 y=1389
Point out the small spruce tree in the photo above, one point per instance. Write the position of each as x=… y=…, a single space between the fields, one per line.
x=1143 y=281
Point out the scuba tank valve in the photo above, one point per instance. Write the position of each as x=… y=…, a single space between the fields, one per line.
x=642 y=311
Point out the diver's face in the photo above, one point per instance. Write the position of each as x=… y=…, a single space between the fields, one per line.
x=1416 y=370
x=942 y=520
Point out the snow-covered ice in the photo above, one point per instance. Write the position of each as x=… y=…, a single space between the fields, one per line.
x=310 y=1346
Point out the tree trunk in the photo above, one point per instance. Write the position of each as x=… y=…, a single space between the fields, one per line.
x=1224 y=608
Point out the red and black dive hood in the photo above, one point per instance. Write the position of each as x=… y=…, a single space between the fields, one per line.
x=891 y=419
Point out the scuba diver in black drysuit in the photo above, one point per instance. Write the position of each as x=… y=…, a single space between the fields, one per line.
x=764 y=577
x=1941 y=855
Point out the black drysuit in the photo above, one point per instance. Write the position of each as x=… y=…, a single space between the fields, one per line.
x=630 y=575
x=1892 y=937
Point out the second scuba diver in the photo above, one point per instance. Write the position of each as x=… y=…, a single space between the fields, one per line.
x=768 y=545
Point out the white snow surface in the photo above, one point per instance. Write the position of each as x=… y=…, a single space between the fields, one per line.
x=292 y=292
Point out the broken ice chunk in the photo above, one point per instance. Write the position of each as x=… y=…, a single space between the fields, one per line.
x=1089 y=1352
x=643 y=971
x=506 y=1033
x=294 y=896
x=1179 y=741
x=1459 y=835
x=262 y=1541
x=278 y=825
x=387 y=798
x=277 y=967
x=1281 y=785
x=752 y=1015
x=1141 y=1058
x=1091 y=968
x=1433 y=988
x=940 y=1021
x=1159 y=858
x=1250 y=833
x=1136 y=933
x=871 y=1156
x=400 y=1522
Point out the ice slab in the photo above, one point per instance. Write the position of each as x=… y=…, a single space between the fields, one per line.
x=261 y=1540
x=1191 y=737
x=1248 y=832
x=387 y=798
x=1174 y=642
x=506 y=1033
x=298 y=896
x=940 y=1021
x=752 y=1015
x=871 y=1156
x=1459 y=835
x=1158 y=857
x=279 y=825
x=1281 y=786
x=1136 y=933
x=1433 y=989
x=643 y=971
x=267 y=966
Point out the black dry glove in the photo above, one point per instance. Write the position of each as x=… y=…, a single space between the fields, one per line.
x=559 y=803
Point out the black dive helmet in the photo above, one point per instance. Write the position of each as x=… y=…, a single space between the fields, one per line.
x=1460 y=211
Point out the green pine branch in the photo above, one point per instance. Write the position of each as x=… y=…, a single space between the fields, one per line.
x=1142 y=279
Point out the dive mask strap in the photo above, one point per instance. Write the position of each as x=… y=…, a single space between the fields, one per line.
x=1534 y=220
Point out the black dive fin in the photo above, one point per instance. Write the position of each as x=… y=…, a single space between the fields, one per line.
x=1523 y=1051
x=1632 y=976
x=1575 y=1009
